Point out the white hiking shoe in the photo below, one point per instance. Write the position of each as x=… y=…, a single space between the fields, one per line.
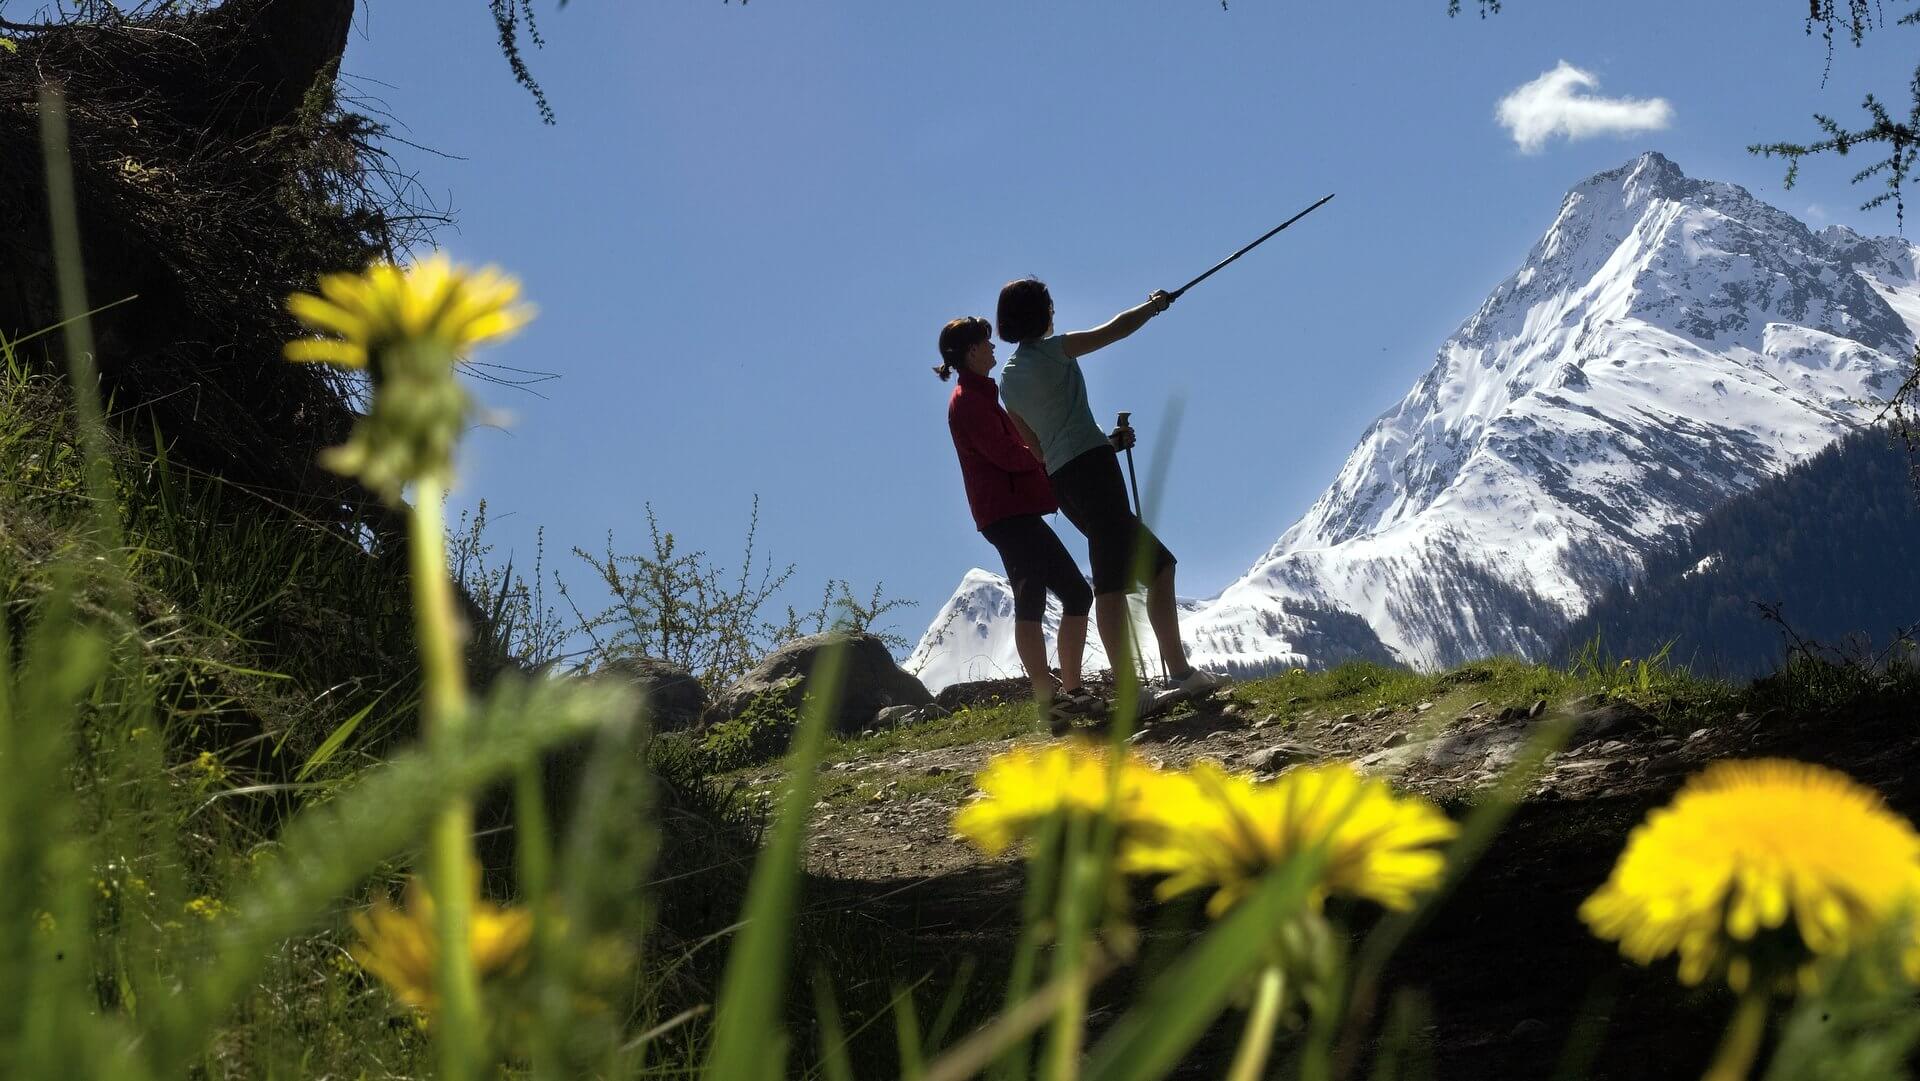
x=1199 y=681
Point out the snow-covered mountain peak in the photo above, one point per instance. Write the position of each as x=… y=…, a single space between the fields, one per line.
x=1668 y=342
x=1640 y=260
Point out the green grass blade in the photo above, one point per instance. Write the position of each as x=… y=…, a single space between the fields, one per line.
x=987 y=1044
x=1402 y=1054
x=1588 y=1032
x=44 y=903
x=8 y=345
x=950 y=1008
x=1177 y=1007
x=906 y=1027
x=834 y=1062
x=336 y=739
x=600 y=880
x=753 y=989
x=77 y=328
x=1043 y=873
x=1080 y=888
x=534 y=868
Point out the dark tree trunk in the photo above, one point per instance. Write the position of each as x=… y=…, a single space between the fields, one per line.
x=207 y=193
x=282 y=47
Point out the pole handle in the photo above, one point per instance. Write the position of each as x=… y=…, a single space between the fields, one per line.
x=1122 y=422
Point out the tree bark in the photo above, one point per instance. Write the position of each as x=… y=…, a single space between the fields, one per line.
x=282 y=47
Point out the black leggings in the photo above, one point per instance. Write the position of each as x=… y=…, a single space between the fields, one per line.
x=1093 y=496
x=1036 y=563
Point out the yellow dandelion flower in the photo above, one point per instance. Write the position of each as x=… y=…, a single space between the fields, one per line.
x=406 y=326
x=209 y=766
x=399 y=946
x=1226 y=831
x=431 y=301
x=1022 y=787
x=1766 y=863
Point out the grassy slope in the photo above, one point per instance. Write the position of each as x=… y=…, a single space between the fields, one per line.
x=264 y=663
x=268 y=663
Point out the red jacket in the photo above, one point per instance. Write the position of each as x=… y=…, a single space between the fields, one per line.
x=1003 y=477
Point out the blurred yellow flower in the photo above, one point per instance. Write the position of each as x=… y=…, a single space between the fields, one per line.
x=408 y=327
x=1227 y=830
x=400 y=946
x=1022 y=787
x=430 y=301
x=1766 y=863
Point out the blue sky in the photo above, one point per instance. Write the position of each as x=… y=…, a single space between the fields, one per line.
x=751 y=220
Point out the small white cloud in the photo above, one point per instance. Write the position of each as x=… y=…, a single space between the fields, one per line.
x=1816 y=212
x=1553 y=105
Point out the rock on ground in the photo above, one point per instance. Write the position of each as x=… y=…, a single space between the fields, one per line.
x=673 y=699
x=873 y=681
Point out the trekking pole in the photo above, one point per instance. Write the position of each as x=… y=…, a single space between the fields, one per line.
x=1211 y=271
x=1139 y=509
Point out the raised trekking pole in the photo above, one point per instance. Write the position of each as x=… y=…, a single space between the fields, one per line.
x=1217 y=267
x=1139 y=508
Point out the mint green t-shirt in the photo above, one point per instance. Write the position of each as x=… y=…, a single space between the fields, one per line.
x=1044 y=386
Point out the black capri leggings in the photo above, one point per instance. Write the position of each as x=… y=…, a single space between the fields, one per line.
x=1036 y=563
x=1094 y=498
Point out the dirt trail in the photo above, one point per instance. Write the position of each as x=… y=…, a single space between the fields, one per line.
x=1503 y=965
x=1446 y=753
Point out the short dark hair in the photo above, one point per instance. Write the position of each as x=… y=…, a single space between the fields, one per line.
x=956 y=338
x=1026 y=310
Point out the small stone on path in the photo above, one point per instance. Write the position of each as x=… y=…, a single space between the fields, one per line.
x=1278 y=755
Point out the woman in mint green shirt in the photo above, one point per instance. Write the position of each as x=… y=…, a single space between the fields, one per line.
x=1044 y=390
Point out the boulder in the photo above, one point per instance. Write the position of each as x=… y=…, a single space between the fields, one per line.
x=873 y=681
x=673 y=698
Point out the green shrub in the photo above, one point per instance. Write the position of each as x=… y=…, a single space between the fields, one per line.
x=758 y=734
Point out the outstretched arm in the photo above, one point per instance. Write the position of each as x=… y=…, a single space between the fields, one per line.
x=1080 y=343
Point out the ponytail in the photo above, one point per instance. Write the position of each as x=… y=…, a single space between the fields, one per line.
x=956 y=338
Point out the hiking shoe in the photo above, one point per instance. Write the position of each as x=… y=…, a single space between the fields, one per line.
x=1198 y=682
x=1060 y=717
x=1082 y=702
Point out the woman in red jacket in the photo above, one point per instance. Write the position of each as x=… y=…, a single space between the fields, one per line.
x=1008 y=491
